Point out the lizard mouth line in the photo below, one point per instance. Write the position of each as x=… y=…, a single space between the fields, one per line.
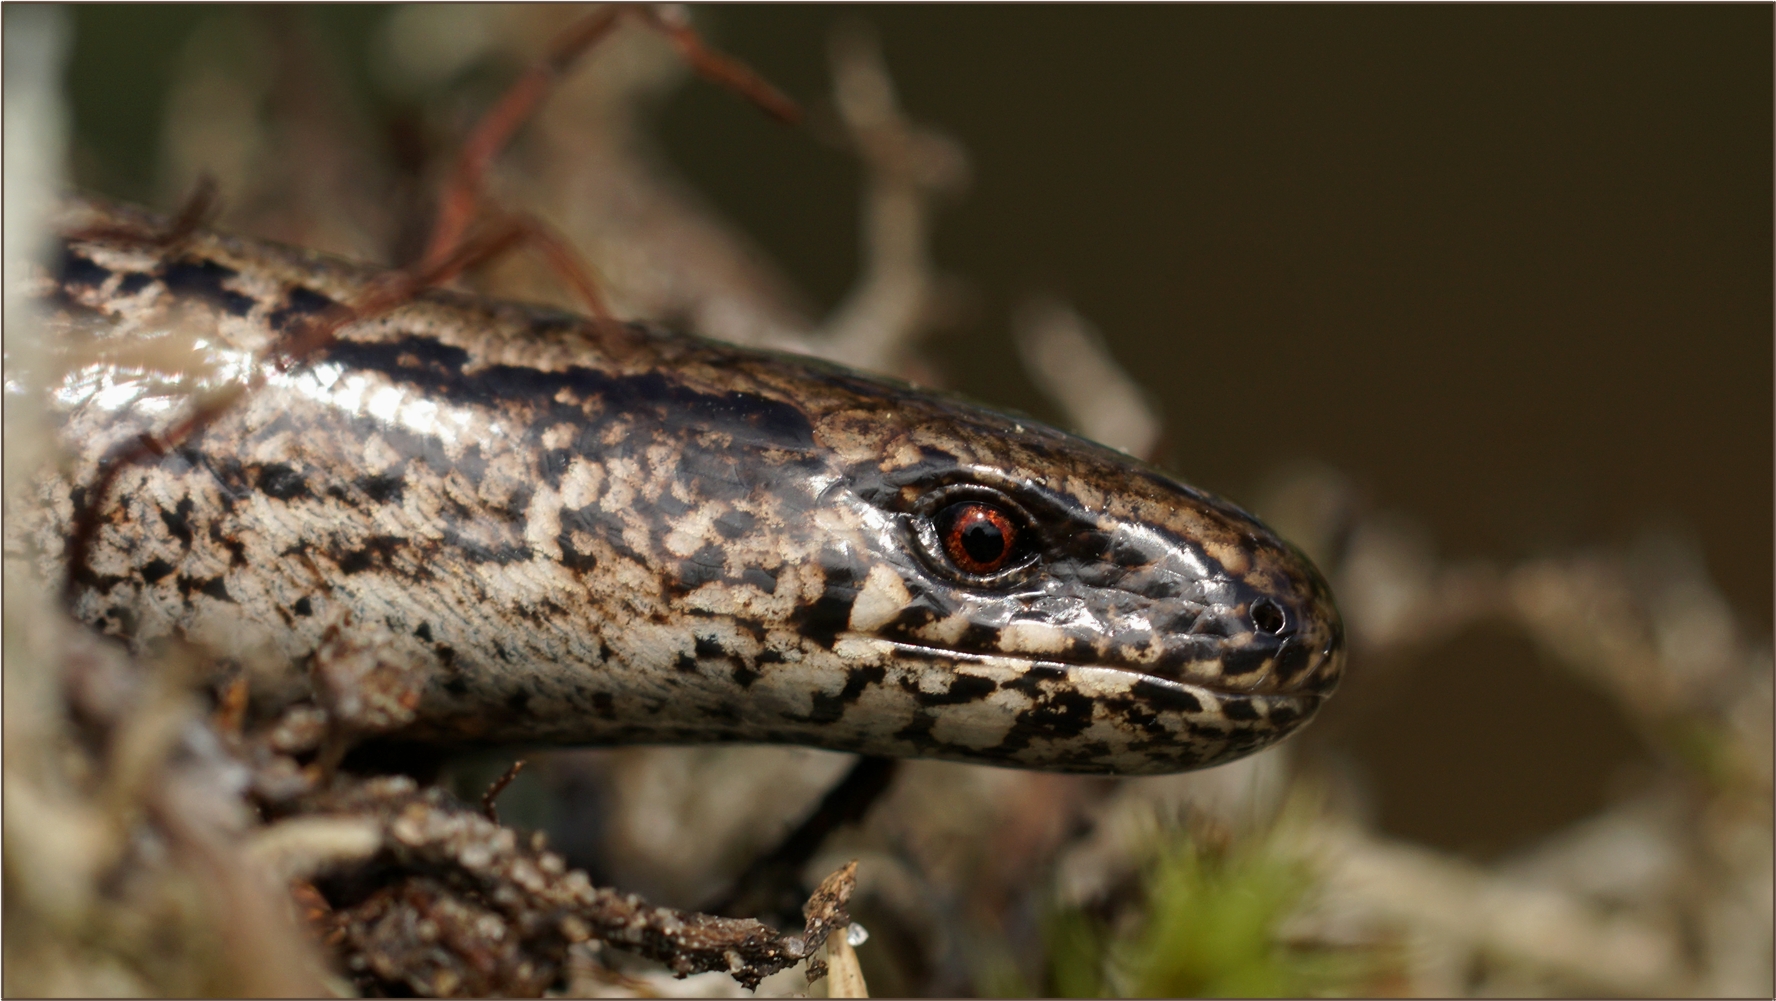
x=1296 y=698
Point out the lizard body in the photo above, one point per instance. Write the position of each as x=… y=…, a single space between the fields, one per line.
x=601 y=533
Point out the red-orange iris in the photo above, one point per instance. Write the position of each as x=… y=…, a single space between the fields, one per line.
x=978 y=538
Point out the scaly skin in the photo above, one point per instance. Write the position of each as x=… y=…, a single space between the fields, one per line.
x=606 y=534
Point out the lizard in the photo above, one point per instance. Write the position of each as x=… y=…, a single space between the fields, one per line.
x=564 y=530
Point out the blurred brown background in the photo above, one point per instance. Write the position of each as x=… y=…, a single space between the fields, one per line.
x=1508 y=269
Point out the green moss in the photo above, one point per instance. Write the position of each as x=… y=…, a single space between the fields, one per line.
x=1207 y=924
x=1076 y=948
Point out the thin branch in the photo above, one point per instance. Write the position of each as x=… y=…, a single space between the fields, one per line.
x=499 y=785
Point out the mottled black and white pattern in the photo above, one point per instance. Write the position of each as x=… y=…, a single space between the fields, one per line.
x=614 y=534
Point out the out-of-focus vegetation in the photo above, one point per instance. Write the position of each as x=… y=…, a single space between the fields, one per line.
x=1210 y=921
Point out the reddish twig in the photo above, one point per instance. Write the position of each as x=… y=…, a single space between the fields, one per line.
x=722 y=70
x=199 y=208
x=231 y=707
x=567 y=264
x=464 y=191
x=499 y=786
x=195 y=212
x=395 y=289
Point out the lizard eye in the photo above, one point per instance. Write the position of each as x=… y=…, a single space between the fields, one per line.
x=978 y=538
x=976 y=535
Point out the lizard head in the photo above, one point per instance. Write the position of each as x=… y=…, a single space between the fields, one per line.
x=1007 y=592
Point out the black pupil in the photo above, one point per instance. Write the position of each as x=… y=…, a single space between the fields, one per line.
x=983 y=541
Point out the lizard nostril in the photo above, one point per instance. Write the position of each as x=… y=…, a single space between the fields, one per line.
x=1267 y=617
